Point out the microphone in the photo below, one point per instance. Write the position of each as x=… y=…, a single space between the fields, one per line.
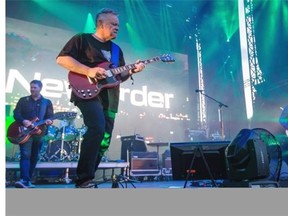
x=197 y=90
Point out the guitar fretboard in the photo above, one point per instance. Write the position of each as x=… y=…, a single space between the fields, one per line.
x=56 y=116
x=133 y=66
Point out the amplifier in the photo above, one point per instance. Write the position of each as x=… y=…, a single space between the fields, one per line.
x=130 y=144
x=144 y=164
x=141 y=154
x=144 y=160
x=136 y=137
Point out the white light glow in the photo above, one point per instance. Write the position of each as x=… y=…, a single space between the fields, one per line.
x=245 y=61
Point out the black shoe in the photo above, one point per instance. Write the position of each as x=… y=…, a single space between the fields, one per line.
x=87 y=184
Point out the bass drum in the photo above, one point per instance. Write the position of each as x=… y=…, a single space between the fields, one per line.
x=52 y=132
x=70 y=133
x=53 y=151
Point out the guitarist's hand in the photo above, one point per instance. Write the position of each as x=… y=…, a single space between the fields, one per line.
x=139 y=66
x=48 y=122
x=26 y=123
x=97 y=72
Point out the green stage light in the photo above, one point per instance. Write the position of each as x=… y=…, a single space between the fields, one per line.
x=89 y=25
x=134 y=37
x=8 y=144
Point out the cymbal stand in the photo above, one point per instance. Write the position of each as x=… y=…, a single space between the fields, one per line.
x=63 y=152
x=66 y=178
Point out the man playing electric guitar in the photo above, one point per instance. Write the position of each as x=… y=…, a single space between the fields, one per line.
x=27 y=111
x=82 y=55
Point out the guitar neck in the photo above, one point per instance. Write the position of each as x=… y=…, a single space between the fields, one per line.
x=119 y=70
x=56 y=116
x=41 y=122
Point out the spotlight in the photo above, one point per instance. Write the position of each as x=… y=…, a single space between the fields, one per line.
x=249 y=155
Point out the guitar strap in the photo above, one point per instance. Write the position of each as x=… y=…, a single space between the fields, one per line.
x=115 y=54
x=115 y=57
x=43 y=108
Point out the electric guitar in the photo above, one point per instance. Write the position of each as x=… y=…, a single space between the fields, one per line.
x=86 y=87
x=18 y=134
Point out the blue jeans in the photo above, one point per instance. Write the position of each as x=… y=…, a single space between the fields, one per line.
x=29 y=156
x=91 y=152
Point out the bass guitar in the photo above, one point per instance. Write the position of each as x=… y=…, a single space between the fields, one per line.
x=18 y=134
x=86 y=87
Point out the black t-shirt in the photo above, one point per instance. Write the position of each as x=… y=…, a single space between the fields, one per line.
x=91 y=52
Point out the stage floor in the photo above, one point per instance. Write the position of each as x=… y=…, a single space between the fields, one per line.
x=108 y=185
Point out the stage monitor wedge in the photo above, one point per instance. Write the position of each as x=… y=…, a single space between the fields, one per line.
x=182 y=154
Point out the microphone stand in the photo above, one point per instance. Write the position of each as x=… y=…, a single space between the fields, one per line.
x=220 y=105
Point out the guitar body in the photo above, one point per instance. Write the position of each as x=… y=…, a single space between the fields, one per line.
x=86 y=88
x=18 y=134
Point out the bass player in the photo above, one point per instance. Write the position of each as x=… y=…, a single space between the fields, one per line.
x=29 y=109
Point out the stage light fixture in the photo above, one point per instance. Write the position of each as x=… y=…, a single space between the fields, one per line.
x=250 y=154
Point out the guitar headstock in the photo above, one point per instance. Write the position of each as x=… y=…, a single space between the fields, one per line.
x=65 y=115
x=167 y=58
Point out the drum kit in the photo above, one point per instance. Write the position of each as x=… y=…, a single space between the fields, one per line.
x=63 y=144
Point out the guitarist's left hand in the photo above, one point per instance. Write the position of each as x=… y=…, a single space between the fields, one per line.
x=139 y=67
x=26 y=123
x=48 y=122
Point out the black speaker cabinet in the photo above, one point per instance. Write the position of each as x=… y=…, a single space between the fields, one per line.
x=132 y=143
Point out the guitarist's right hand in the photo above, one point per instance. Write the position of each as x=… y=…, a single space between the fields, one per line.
x=97 y=72
x=26 y=123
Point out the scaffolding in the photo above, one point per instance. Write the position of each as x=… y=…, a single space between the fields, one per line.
x=256 y=75
x=201 y=109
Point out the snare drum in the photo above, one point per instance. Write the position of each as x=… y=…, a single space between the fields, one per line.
x=70 y=133
x=52 y=132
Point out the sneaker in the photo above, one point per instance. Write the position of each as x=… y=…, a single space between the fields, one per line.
x=87 y=184
x=30 y=185
x=24 y=184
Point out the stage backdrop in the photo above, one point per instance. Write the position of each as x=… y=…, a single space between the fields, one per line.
x=156 y=106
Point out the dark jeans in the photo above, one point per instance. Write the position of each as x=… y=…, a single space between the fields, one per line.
x=29 y=156
x=98 y=123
